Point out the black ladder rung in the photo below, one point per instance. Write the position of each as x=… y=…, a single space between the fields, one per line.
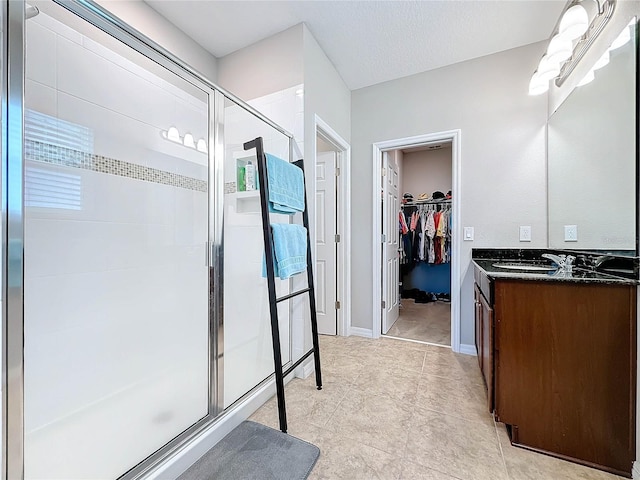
x=291 y=295
x=298 y=362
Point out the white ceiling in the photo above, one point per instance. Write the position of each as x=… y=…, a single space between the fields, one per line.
x=371 y=41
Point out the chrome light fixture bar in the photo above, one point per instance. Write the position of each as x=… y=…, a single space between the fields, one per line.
x=571 y=38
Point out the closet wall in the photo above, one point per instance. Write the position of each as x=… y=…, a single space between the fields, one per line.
x=426 y=171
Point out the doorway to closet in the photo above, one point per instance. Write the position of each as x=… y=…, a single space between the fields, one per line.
x=417 y=237
x=382 y=275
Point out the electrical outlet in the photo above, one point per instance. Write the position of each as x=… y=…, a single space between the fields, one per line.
x=570 y=233
x=525 y=233
x=468 y=233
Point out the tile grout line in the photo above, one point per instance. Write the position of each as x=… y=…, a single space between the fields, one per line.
x=504 y=461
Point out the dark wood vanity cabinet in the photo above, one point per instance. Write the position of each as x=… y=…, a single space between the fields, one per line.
x=484 y=343
x=562 y=358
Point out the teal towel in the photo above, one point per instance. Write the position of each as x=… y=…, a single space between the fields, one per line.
x=290 y=250
x=286 y=186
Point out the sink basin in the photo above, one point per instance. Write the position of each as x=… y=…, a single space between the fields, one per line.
x=525 y=267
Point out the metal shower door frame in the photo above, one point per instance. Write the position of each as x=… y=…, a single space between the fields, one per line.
x=13 y=220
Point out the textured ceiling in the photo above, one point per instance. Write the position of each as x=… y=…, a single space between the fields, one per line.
x=371 y=41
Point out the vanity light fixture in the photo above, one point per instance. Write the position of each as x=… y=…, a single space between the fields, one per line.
x=622 y=39
x=588 y=78
x=173 y=135
x=560 y=49
x=571 y=38
x=202 y=146
x=188 y=141
x=602 y=61
x=574 y=22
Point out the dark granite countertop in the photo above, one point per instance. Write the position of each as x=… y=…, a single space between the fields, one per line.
x=577 y=275
x=485 y=259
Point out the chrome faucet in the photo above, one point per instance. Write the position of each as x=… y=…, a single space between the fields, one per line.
x=564 y=262
x=601 y=259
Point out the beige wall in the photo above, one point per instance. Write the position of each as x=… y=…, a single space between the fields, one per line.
x=502 y=153
x=273 y=64
x=426 y=171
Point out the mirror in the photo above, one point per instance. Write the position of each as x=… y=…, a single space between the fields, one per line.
x=592 y=159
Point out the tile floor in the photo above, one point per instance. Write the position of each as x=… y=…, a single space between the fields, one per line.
x=391 y=409
x=426 y=322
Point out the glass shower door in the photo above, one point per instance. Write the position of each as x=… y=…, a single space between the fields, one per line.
x=116 y=289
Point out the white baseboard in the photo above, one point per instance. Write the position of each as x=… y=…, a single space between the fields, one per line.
x=635 y=472
x=187 y=454
x=307 y=368
x=361 y=332
x=468 y=349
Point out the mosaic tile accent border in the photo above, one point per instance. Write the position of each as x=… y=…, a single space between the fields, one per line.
x=230 y=187
x=68 y=157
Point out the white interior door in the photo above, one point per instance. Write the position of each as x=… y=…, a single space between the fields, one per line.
x=390 y=238
x=325 y=267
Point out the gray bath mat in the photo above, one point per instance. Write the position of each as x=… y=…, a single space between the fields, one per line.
x=255 y=452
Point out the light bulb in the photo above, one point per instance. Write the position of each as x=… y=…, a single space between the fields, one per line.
x=602 y=61
x=537 y=86
x=588 y=78
x=202 y=146
x=173 y=134
x=188 y=141
x=623 y=38
x=548 y=70
x=574 y=23
x=560 y=48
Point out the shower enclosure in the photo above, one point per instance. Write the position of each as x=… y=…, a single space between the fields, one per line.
x=122 y=218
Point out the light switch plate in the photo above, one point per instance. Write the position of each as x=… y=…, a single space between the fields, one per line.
x=468 y=233
x=525 y=233
x=570 y=233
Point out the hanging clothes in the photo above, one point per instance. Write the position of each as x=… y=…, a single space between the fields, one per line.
x=425 y=233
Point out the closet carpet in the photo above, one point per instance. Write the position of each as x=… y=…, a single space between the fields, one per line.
x=427 y=322
x=396 y=410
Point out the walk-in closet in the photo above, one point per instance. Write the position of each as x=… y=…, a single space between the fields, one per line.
x=424 y=230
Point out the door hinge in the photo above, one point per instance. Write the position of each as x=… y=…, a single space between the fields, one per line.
x=337 y=238
x=384 y=304
x=384 y=172
x=337 y=171
x=384 y=238
x=337 y=304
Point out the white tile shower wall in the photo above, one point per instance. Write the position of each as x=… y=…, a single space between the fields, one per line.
x=285 y=107
x=116 y=292
x=134 y=99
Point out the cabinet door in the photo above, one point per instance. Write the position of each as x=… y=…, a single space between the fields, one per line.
x=478 y=319
x=487 y=348
x=566 y=369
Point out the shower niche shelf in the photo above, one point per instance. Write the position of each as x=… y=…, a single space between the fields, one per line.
x=246 y=202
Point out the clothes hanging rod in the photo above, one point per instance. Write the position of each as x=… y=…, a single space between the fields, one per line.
x=427 y=202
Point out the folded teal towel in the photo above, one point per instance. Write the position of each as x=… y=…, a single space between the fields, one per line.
x=290 y=250
x=286 y=186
